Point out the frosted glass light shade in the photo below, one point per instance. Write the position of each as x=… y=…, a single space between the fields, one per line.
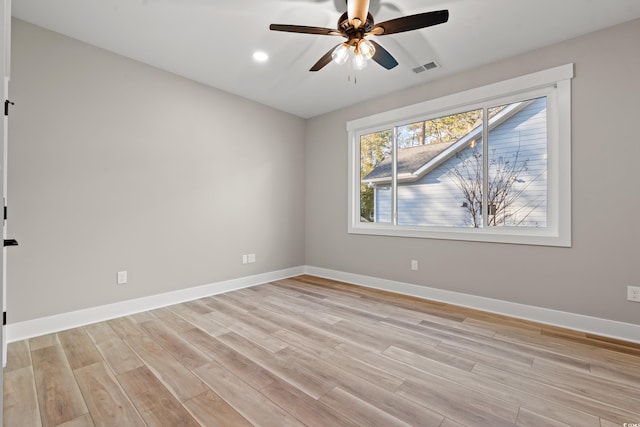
x=359 y=61
x=340 y=54
x=366 y=48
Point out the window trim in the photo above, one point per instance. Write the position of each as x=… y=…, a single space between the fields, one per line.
x=555 y=83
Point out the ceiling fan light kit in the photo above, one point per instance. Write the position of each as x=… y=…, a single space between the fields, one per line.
x=363 y=51
x=340 y=54
x=356 y=24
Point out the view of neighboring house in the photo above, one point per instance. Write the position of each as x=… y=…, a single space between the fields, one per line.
x=440 y=184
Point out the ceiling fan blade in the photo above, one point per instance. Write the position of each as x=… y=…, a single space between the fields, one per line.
x=383 y=57
x=304 y=29
x=326 y=58
x=411 y=22
x=357 y=10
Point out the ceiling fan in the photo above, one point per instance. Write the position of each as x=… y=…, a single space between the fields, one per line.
x=356 y=24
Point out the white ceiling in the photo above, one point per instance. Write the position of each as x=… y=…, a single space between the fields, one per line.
x=212 y=41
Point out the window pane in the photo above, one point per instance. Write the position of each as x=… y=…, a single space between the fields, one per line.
x=517 y=153
x=375 y=176
x=434 y=158
x=493 y=165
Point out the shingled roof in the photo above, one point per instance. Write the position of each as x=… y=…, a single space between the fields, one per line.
x=415 y=162
x=409 y=160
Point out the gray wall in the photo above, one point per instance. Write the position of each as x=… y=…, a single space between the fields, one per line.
x=591 y=277
x=115 y=165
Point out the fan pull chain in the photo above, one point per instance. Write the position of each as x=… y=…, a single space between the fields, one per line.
x=355 y=73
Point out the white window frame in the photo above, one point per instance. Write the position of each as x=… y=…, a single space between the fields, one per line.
x=555 y=84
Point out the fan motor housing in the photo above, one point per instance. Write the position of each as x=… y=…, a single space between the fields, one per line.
x=349 y=31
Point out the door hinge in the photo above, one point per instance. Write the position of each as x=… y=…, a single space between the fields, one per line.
x=6 y=106
x=4 y=318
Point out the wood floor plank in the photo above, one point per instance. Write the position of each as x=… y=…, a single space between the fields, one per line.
x=282 y=364
x=496 y=393
x=502 y=346
x=154 y=402
x=171 y=319
x=357 y=334
x=499 y=327
x=528 y=418
x=479 y=356
x=371 y=373
x=556 y=344
x=607 y=423
x=175 y=376
x=626 y=376
x=179 y=348
x=212 y=411
x=563 y=397
x=455 y=406
x=318 y=352
x=241 y=366
x=302 y=305
x=196 y=306
x=385 y=334
x=629 y=348
x=79 y=348
x=239 y=301
x=305 y=315
x=82 y=421
x=217 y=304
x=597 y=388
x=20 y=398
x=59 y=397
x=330 y=290
x=125 y=327
x=310 y=411
x=119 y=356
x=366 y=387
x=106 y=401
x=304 y=343
x=437 y=355
x=101 y=332
x=361 y=412
x=248 y=331
x=345 y=310
x=200 y=321
x=406 y=410
x=43 y=341
x=250 y=403
x=298 y=326
x=143 y=316
x=450 y=423
x=294 y=287
x=477 y=343
x=18 y=355
x=477 y=385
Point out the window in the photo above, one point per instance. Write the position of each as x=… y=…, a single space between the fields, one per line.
x=489 y=164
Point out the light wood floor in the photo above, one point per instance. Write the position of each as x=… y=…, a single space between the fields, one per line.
x=309 y=351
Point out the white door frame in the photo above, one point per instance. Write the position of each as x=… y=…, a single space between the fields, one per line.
x=5 y=66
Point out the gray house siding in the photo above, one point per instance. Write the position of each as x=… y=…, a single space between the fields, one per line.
x=436 y=200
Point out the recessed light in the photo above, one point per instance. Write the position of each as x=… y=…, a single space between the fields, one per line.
x=260 y=56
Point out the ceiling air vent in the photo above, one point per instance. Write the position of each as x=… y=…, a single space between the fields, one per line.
x=428 y=66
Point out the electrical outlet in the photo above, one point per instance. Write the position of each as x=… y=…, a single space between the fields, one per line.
x=122 y=277
x=251 y=258
x=414 y=264
x=633 y=293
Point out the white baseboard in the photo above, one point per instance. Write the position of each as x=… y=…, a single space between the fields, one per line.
x=60 y=322
x=577 y=322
